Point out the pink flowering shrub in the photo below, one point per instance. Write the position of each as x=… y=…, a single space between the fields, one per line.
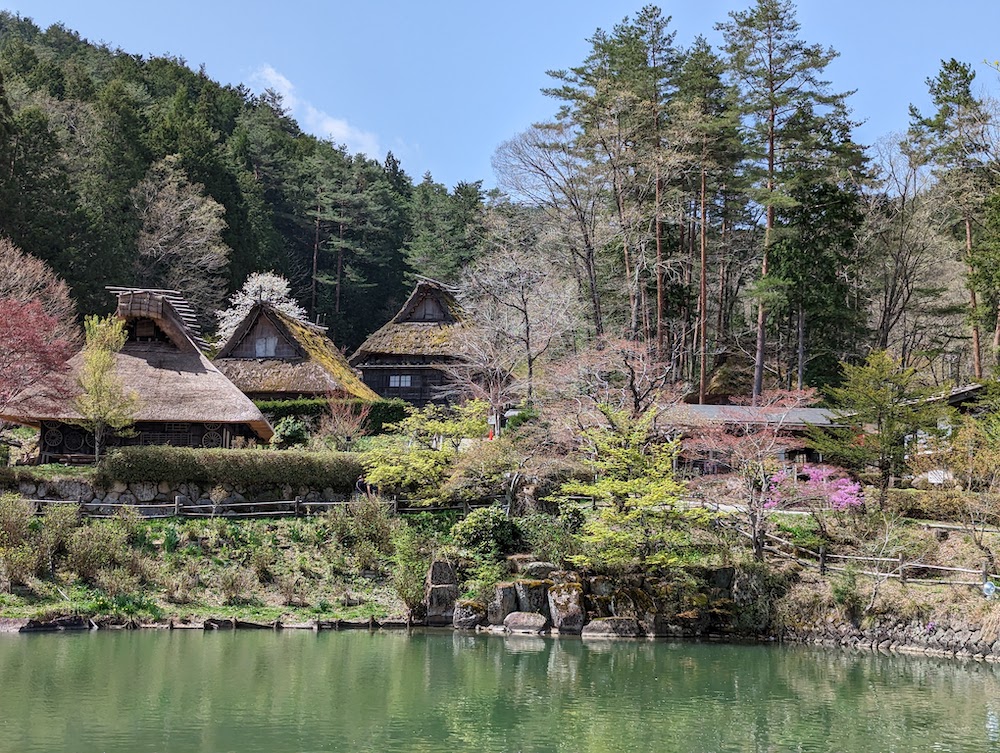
x=823 y=486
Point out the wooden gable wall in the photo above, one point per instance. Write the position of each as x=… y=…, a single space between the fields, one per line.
x=264 y=340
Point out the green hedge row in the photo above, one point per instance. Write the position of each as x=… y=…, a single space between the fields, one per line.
x=250 y=470
x=381 y=412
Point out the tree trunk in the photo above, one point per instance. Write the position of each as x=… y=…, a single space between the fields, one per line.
x=703 y=294
x=977 y=354
x=800 y=329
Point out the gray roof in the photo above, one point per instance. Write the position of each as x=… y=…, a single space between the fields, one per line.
x=791 y=418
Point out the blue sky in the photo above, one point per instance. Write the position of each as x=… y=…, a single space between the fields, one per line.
x=441 y=83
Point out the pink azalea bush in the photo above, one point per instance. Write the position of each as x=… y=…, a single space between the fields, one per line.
x=822 y=484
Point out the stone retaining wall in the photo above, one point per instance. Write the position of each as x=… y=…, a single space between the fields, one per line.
x=148 y=492
x=956 y=639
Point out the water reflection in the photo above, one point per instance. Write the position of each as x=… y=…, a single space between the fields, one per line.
x=354 y=691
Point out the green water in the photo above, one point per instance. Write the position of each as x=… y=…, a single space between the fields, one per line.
x=356 y=691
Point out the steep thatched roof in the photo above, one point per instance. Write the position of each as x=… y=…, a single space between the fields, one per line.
x=315 y=366
x=408 y=335
x=173 y=379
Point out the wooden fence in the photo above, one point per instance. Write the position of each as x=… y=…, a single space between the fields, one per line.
x=892 y=568
x=298 y=507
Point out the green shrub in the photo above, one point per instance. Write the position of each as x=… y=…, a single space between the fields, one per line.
x=363 y=520
x=410 y=561
x=252 y=471
x=551 y=538
x=96 y=547
x=18 y=564
x=16 y=516
x=944 y=505
x=394 y=466
x=380 y=412
x=847 y=594
x=482 y=471
x=487 y=531
x=235 y=585
x=289 y=432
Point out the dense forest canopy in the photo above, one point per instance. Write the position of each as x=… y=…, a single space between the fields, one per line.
x=708 y=204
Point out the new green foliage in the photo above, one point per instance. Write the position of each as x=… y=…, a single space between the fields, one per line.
x=105 y=405
x=640 y=521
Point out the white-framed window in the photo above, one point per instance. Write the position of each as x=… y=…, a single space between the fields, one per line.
x=399 y=380
x=265 y=346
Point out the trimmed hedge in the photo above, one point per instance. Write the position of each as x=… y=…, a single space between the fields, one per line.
x=248 y=470
x=381 y=412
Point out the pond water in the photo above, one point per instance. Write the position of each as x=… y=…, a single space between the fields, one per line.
x=356 y=691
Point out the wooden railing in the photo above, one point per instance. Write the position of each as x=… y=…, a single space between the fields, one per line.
x=181 y=507
x=892 y=568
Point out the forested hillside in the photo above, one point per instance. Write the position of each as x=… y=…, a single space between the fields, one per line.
x=709 y=206
x=124 y=170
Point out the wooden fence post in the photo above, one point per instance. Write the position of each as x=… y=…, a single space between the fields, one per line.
x=822 y=560
x=986 y=571
x=902 y=570
x=177 y=505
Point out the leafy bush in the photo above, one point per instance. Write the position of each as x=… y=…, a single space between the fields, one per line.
x=380 y=413
x=252 y=471
x=363 y=520
x=551 y=538
x=482 y=579
x=18 y=564
x=289 y=432
x=397 y=468
x=235 y=585
x=487 y=531
x=944 y=505
x=96 y=547
x=410 y=561
x=16 y=516
x=482 y=471
x=847 y=594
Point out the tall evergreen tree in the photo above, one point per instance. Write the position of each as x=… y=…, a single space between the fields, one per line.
x=954 y=141
x=779 y=76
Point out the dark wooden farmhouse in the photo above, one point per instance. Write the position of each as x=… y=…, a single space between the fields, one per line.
x=183 y=399
x=408 y=357
x=273 y=356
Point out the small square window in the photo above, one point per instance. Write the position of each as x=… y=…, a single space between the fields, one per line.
x=399 y=380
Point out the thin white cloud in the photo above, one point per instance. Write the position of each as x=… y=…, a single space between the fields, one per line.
x=314 y=120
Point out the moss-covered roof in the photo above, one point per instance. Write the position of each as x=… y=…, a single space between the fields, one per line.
x=322 y=369
x=404 y=335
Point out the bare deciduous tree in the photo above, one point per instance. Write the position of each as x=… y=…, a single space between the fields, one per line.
x=180 y=244
x=519 y=304
x=26 y=279
x=545 y=168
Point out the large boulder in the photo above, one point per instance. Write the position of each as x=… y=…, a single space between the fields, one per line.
x=468 y=615
x=613 y=627
x=566 y=607
x=532 y=596
x=502 y=603
x=538 y=570
x=525 y=622
x=440 y=593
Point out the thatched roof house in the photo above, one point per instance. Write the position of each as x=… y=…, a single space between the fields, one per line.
x=409 y=356
x=183 y=399
x=273 y=356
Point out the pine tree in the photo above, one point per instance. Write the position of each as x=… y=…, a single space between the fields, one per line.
x=779 y=76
